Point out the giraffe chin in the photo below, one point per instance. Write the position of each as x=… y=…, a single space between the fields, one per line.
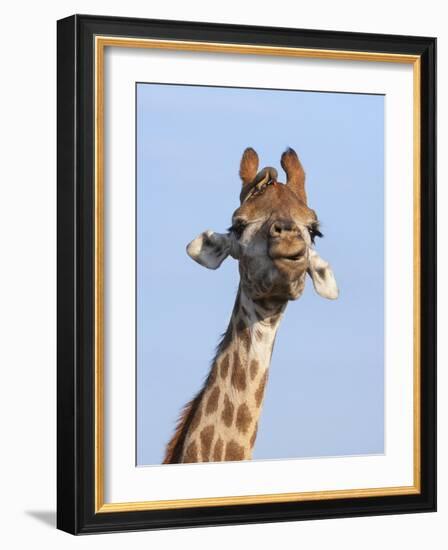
x=291 y=268
x=282 y=287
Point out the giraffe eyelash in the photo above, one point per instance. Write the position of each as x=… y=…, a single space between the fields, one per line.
x=314 y=231
x=237 y=228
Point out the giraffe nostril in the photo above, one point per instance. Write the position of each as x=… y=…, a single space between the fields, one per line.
x=276 y=229
x=282 y=227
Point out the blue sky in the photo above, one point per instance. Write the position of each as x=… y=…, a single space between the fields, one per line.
x=325 y=395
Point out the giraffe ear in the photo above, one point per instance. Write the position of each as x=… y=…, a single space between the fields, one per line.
x=322 y=276
x=209 y=249
x=295 y=174
x=248 y=166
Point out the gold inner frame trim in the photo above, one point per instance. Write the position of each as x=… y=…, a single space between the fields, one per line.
x=101 y=42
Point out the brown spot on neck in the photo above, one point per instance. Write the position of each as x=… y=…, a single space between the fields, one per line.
x=243 y=418
x=218 y=450
x=227 y=412
x=254 y=365
x=238 y=373
x=234 y=451
x=206 y=442
x=225 y=363
x=191 y=454
x=212 y=402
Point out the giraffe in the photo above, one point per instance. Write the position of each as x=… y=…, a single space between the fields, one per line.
x=272 y=238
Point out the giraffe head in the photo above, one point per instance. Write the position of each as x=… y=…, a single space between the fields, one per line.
x=272 y=234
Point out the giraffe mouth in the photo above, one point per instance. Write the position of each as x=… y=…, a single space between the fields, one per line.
x=288 y=251
x=293 y=264
x=296 y=257
x=293 y=258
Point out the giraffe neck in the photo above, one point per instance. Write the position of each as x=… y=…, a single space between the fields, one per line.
x=223 y=418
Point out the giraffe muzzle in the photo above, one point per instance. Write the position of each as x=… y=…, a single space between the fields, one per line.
x=286 y=242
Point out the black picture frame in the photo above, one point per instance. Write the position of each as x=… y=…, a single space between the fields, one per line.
x=76 y=263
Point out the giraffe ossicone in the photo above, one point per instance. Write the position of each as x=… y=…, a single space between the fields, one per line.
x=272 y=238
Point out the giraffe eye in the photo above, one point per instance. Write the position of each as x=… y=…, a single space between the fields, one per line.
x=237 y=228
x=314 y=232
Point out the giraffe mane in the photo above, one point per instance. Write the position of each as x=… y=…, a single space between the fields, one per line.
x=174 y=448
x=173 y=453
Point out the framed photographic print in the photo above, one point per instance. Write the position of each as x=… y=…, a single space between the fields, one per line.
x=222 y=189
